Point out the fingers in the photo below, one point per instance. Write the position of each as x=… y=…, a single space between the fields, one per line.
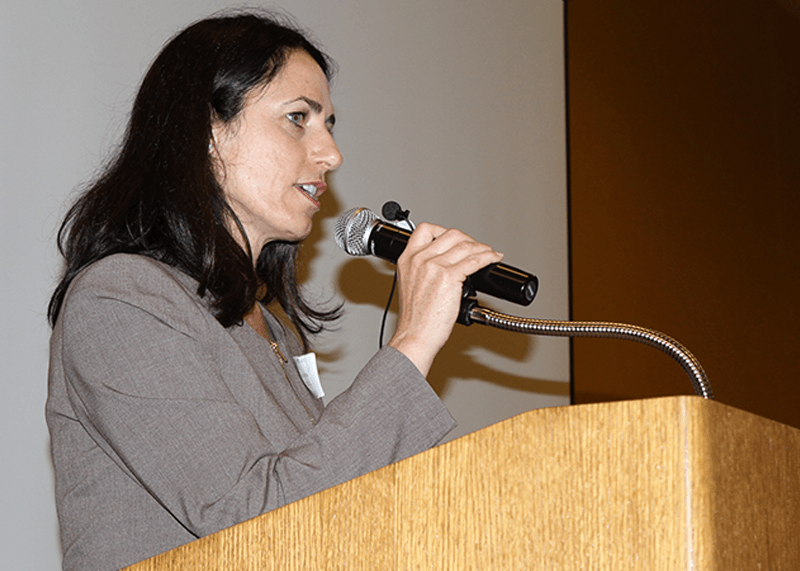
x=431 y=273
x=448 y=249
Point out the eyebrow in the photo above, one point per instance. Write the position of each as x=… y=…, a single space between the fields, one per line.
x=316 y=107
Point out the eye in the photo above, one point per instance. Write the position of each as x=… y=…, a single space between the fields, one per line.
x=298 y=118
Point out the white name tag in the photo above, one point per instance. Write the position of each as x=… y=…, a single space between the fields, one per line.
x=307 y=367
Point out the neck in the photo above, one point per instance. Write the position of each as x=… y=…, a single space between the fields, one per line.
x=255 y=319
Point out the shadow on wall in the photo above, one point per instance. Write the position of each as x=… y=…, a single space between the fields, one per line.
x=359 y=281
x=364 y=284
x=330 y=207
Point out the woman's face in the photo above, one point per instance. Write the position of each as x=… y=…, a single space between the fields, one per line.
x=272 y=159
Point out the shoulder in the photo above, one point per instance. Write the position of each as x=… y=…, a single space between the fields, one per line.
x=139 y=282
x=125 y=270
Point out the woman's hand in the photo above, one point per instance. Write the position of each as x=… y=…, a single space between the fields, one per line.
x=431 y=272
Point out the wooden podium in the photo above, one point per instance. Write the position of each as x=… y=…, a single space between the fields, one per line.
x=662 y=484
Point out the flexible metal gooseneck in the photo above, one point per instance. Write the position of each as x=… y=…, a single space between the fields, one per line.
x=473 y=313
x=354 y=235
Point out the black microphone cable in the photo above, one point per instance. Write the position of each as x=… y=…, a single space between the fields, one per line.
x=392 y=211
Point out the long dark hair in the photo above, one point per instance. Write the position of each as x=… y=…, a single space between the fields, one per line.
x=159 y=197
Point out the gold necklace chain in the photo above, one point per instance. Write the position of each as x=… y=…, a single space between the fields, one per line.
x=283 y=360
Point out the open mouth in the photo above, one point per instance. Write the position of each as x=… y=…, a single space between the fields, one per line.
x=310 y=189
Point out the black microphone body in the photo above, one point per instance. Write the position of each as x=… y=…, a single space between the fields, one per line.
x=388 y=242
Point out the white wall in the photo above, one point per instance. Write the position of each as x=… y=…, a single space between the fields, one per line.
x=454 y=108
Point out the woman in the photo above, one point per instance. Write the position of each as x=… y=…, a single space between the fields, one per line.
x=175 y=407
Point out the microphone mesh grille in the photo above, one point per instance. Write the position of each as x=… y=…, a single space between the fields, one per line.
x=352 y=231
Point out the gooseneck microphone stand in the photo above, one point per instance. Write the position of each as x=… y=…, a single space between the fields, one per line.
x=471 y=313
x=353 y=235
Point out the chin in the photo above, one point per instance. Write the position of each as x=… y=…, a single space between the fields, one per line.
x=300 y=230
x=300 y=234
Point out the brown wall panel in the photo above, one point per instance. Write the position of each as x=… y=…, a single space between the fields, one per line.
x=685 y=194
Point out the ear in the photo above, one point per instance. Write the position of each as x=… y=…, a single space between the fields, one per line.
x=214 y=149
x=217 y=127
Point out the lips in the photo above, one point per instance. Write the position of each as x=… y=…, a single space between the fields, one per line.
x=312 y=189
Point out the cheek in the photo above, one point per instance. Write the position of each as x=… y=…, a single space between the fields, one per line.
x=264 y=166
x=257 y=172
x=275 y=162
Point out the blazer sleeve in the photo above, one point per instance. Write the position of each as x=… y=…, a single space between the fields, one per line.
x=151 y=375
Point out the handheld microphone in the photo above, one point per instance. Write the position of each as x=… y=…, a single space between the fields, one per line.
x=359 y=232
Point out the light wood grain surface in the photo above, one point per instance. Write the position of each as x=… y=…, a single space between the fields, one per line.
x=666 y=484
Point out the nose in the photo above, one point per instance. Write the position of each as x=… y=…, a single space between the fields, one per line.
x=327 y=152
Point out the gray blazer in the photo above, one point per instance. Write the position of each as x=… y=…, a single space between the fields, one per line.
x=166 y=427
